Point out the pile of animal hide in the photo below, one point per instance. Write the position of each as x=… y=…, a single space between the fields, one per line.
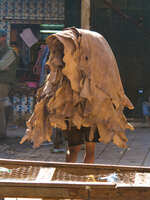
x=83 y=89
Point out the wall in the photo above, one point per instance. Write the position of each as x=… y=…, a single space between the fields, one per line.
x=72 y=13
x=30 y=12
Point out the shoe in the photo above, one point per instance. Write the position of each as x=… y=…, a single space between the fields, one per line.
x=47 y=143
x=58 y=150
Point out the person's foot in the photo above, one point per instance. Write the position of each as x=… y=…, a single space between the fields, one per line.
x=58 y=150
x=47 y=143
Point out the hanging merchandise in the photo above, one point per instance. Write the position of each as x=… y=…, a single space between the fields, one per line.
x=39 y=67
x=28 y=37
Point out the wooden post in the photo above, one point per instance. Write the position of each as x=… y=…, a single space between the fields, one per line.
x=85 y=14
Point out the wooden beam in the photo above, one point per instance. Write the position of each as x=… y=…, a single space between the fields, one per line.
x=85 y=14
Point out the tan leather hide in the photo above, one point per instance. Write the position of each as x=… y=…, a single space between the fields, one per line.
x=83 y=87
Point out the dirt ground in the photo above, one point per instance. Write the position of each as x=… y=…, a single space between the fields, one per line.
x=10 y=148
x=137 y=153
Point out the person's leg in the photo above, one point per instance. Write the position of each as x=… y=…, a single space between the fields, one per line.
x=72 y=153
x=90 y=145
x=4 y=88
x=2 y=121
x=147 y=119
x=146 y=112
x=56 y=138
x=8 y=113
x=90 y=152
x=75 y=140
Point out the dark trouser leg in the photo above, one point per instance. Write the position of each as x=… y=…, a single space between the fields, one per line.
x=57 y=138
x=8 y=113
x=72 y=153
x=3 y=128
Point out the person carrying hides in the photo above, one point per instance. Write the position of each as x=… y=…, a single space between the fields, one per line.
x=83 y=89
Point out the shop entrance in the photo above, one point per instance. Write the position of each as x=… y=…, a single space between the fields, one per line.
x=127 y=31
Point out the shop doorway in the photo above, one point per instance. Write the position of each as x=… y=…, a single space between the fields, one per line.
x=130 y=44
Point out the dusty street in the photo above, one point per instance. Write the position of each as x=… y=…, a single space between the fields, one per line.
x=137 y=153
x=12 y=149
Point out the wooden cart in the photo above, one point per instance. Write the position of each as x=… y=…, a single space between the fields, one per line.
x=48 y=180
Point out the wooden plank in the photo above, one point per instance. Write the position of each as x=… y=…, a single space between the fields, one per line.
x=53 y=189
x=97 y=194
x=45 y=174
x=134 y=193
x=80 y=166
